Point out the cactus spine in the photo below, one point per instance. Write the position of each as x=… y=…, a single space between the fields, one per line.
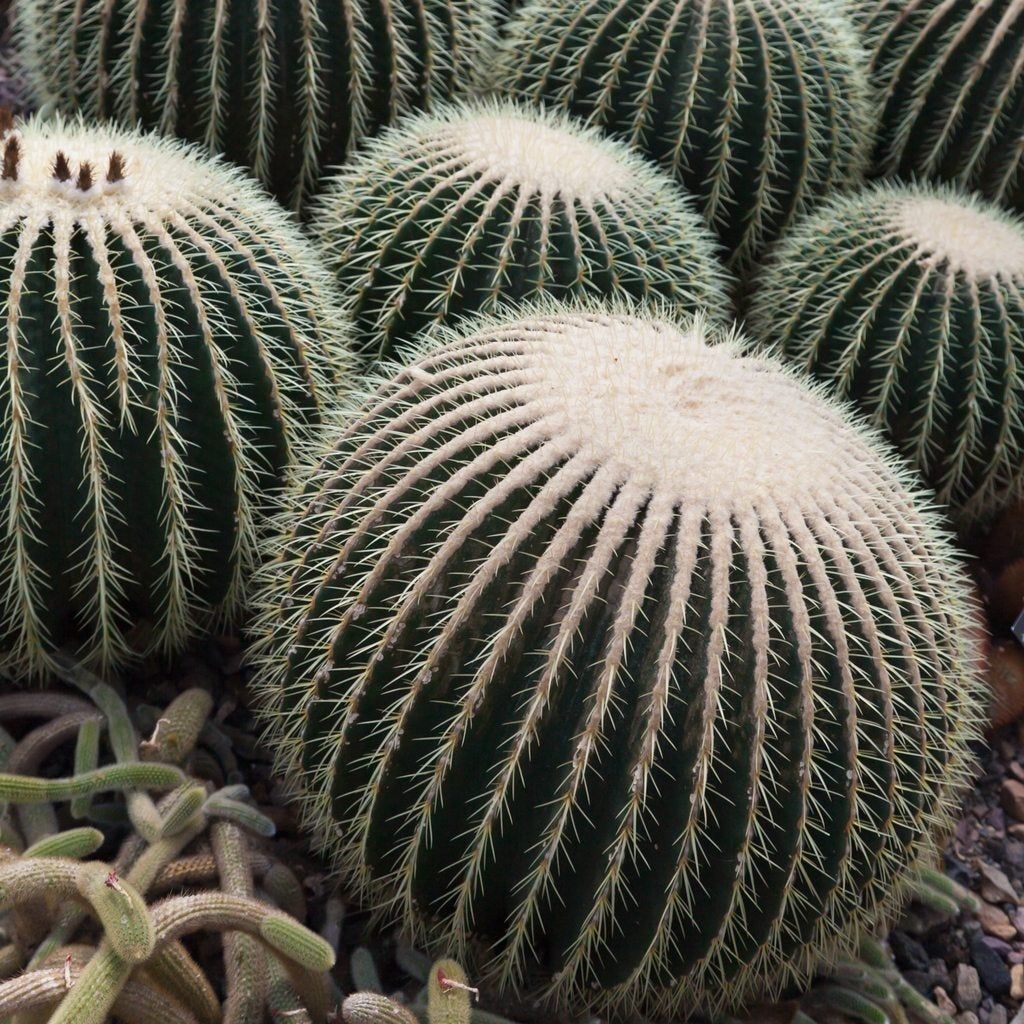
x=949 y=77
x=909 y=301
x=625 y=652
x=758 y=108
x=488 y=202
x=286 y=87
x=168 y=341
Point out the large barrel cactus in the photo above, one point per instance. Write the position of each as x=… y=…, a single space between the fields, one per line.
x=757 y=107
x=169 y=341
x=450 y=214
x=616 y=657
x=286 y=87
x=950 y=77
x=908 y=301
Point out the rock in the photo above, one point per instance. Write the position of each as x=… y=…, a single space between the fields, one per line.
x=1005 y=674
x=998 y=1015
x=942 y=1000
x=1016 y=830
x=966 y=1018
x=1011 y=795
x=992 y=971
x=994 y=922
x=968 y=987
x=1017 y=981
x=908 y=953
x=995 y=886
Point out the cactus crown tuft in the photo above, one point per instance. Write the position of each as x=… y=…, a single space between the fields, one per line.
x=450 y=214
x=603 y=641
x=974 y=240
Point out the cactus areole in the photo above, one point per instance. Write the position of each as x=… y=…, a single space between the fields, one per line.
x=168 y=340
x=613 y=656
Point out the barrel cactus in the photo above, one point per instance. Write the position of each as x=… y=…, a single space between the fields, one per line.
x=949 y=77
x=169 y=342
x=285 y=87
x=611 y=655
x=449 y=214
x=758 y=108
x=908 y=301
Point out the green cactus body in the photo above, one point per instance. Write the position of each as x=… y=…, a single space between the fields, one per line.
x=758 y=108
x=950 y=77
x=168 y=340
x=450 y=214
x=621 y=651
x=286 y=87
x=908 y=301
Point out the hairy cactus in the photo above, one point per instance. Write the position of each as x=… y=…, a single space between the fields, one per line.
x=169 y=340
x=948 y=74
x=757 y=108
x=627 y=653
x=285 y=87
x=450 y=214
x=83 y=942
x=908 y=301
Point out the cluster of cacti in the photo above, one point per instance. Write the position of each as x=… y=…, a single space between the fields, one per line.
x=758 y=108
x=82 y=940
x=169 y=341
x=949 y=78
x=909 y=302
x=284 y=87
x=449 y=215
x=624 y=650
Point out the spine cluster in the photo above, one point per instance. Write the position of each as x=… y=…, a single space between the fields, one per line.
x=485 y=203
x=168 y=342
x=285 y=87
x=757 y=108
x=665 y=730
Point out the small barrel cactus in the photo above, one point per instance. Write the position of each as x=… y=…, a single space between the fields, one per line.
x=169 y=340
x=949 y=78
x=628 y=654
x=450 y=214
x=758 y=108
x=908 y=301
x=285 y=87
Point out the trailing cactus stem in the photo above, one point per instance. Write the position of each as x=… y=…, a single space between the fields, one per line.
x=689 y=649
x=27 y=789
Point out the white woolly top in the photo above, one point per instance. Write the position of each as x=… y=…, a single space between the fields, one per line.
x=538 y=155
x=150 y=175
x=691 y=420
x=973 y=239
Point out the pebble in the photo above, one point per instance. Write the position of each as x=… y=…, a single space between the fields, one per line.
x=995 y=886
x=968 y=987
x=966 y=1018
x=942 y=1000
x=998 y=1014
x=1017 y=981
x=995 y=922
x=992 y=971
x=1011 y=796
